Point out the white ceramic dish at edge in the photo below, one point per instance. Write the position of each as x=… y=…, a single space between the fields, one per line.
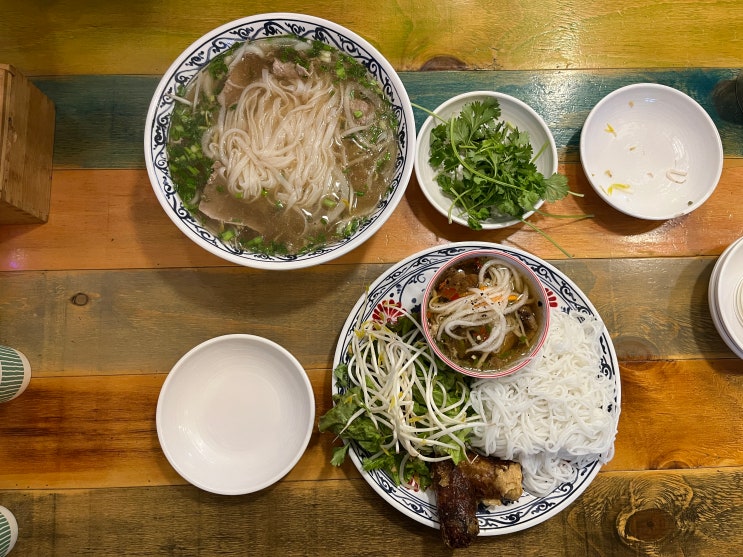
x=514 y=111
x=726 y=296
x=260 y=26
x=235 y=414
x=651 y=151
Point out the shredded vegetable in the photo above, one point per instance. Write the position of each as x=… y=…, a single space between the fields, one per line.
x=402 y=408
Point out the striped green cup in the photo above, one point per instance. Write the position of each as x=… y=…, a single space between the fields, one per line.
x=15 y=373
x=8 y=531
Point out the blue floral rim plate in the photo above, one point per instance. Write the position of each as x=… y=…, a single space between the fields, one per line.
x=403 y=285
x=199 y=54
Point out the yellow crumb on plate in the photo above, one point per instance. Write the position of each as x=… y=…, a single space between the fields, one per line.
x=618 y=187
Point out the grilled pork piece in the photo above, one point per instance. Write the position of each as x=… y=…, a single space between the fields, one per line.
x=460 y=488
x=456 y=503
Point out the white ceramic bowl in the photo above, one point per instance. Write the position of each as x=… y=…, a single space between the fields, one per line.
x=217 y=41
x=651 y=151
x=514 y=111
x=536 y=290
x=725 y=296
x=235 y=414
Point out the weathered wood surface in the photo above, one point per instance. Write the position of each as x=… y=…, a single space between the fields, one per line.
x=110 y=219
x=142 y=321
x=100 y=119
x=143 y=37
x=107 y=295
x=94 y=431
x=695 y=513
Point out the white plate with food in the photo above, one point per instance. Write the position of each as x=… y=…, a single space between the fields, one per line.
x=399 y=291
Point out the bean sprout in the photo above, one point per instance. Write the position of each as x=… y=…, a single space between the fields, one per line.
x=403 y=393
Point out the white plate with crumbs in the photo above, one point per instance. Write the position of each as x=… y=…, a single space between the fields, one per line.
x=651 y=151
x=235 y=414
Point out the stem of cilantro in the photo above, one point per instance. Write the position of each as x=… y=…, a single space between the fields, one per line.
x=455 y=200
x=554 y=216
x=539 y=153
x=545 y=235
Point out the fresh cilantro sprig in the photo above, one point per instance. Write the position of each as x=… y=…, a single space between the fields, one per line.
x=488 y=168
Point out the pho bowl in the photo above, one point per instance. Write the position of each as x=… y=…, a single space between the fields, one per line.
x=235 y=414
x=651 y=151
x=514 y=111
x=485 y=313
x=261 y=184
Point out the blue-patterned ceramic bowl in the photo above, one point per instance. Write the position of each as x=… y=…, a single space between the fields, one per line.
x=254 y=27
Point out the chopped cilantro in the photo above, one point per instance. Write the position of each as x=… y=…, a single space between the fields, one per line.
x=487 y=165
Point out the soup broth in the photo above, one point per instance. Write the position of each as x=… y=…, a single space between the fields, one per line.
x=282 y=145
x=482 y=314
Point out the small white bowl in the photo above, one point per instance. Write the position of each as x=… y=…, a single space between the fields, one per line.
x=514 y=111
x=651 y=151
x=235 y=414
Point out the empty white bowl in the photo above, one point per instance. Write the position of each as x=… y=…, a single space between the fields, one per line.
x=235 y=414
x=651 y=151
x=514 y=111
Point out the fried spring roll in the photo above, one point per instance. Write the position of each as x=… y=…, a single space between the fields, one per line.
x=492 y=479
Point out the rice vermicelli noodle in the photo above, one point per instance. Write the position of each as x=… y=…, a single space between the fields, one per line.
x=557 y=413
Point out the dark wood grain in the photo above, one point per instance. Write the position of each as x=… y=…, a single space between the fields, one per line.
x=686 y=512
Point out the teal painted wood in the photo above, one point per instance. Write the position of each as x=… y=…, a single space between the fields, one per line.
x=100 y=119
x=565 y=97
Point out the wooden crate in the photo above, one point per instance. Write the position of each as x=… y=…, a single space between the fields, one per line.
x=26 y=147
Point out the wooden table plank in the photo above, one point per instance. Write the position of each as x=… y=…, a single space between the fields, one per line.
x=107 y=295
x=96 y=431
x=80 y=323
x=110 y=219
x=77 y=37
x=688 y=512
x=101 y=118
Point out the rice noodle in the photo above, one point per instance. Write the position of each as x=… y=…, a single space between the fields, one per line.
x=284 y=138
x=299 y=143
x=555 y=414
x=493 y=303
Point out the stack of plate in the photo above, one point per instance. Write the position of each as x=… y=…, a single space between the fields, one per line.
x=726 y=296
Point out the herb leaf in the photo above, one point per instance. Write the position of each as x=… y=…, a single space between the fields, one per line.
x=487 y=166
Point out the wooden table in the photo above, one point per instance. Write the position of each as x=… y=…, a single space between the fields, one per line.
x=106 y=296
